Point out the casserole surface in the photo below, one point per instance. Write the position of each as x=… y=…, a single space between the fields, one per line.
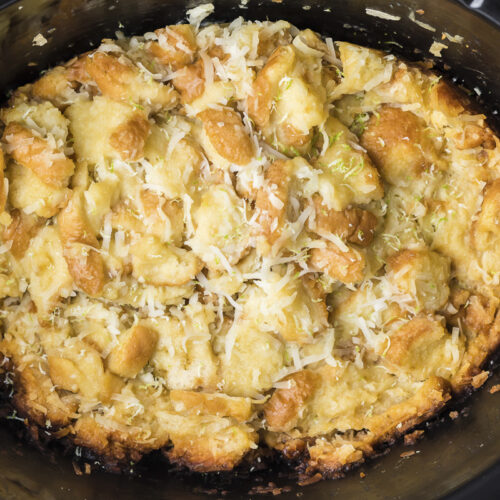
x=243 y=234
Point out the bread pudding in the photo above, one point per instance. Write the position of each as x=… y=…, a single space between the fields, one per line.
x=234 y=238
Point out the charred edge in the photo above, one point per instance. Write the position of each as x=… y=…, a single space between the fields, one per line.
x=260 y=466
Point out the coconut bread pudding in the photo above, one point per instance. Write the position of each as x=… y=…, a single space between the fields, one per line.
x=223 y=240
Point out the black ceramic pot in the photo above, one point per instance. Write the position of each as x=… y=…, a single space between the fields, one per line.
x=458 y=458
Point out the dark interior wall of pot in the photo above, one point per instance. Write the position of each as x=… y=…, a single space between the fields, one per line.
x=451 y=454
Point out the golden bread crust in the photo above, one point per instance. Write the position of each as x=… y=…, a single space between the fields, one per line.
x=224 y=239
